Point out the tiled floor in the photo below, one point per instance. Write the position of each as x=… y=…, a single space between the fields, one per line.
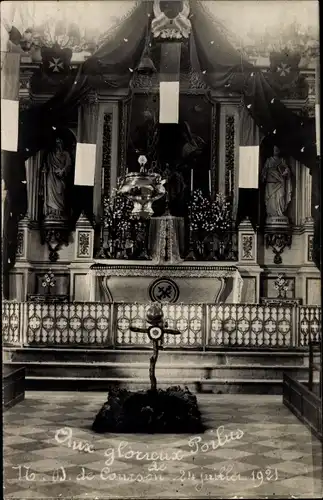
x=273 y=455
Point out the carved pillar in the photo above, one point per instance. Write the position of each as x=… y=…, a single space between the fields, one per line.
x=107 y=159
x=306 y=196
x=228 y=154
x=247 y=243
x=33 y=173
x=214 y=152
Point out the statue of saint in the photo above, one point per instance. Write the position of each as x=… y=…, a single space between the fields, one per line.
x=56 y=172
x=278 y=185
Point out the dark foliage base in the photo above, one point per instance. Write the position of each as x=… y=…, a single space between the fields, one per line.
x=173 y=410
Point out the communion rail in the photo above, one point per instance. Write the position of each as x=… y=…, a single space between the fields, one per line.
x=203 y=326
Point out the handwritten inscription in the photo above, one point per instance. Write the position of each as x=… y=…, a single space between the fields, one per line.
x=198 y=479
x=154 y=463
x=125 y=451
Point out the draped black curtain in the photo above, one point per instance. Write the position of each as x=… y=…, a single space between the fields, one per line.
x=111 y=66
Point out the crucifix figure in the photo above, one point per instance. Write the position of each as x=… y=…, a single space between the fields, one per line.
x=156 y=331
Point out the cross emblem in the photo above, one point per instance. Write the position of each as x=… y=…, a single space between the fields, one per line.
x=164 y=292
x=156 y=331
x=56 y=64
x=283 y=69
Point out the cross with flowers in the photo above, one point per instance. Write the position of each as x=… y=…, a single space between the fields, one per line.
x=156 y=332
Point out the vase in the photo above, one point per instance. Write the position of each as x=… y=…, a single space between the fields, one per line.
x=221 y=249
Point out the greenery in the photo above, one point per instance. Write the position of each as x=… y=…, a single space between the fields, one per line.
x=174 y=410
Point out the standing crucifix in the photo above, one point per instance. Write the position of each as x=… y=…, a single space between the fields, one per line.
x=156 y=332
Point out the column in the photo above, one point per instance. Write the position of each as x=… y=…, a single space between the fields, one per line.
x=307 y=195
x=107 y=153
x=33 y=173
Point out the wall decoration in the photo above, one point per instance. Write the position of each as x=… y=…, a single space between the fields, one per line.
x=106 y=153
x=164 y=290
x=83 y=244
x=310 y=240
x=247 y=246
x=229 y=154
x=20 y=244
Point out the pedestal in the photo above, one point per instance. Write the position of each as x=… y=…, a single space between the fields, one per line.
x=248 y=265
x=82 y=284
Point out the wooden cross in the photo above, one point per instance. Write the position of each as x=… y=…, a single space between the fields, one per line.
x=156 y=331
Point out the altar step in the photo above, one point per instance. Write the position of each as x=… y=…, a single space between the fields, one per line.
x=217 y=371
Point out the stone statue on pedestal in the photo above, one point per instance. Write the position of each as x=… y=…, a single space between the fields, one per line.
x=57 y=168
x=276 y=176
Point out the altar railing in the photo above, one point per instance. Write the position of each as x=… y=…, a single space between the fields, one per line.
x=203 y=326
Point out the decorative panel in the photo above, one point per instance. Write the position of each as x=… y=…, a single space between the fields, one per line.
x=20 y=253
x=250 y=325
x=310 y=240
x=269 y=290
x=310 y=324
x=188 y=319
x=68 y=324
x=106 y=153
x=123 y=134
x=214 y=151
x=11 y=323
x=229 y=155
x=84 y=244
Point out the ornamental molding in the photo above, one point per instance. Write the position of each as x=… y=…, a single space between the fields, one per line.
x=166 y=28
x=174 y=271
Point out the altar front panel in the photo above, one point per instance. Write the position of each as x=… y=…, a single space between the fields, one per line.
x=184 y=283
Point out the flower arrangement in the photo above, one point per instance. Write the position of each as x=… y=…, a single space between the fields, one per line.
x=125 y=230
x=117 y=214
x=49 y=280
x=210 y=216
x=281 y=285
x=220 y=219
x=199 y=211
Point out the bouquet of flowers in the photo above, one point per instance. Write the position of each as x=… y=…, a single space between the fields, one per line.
x=281 y=285
x=117 y=214
x=49 y=280
x=199 y=211
x=220 y=218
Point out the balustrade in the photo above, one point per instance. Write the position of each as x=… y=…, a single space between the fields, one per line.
x=203 y=326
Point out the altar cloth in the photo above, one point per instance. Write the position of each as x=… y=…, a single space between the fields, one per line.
x=166 y=238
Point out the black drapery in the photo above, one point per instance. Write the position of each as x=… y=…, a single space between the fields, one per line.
x=112 y=66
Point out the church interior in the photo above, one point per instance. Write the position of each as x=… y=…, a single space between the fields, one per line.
x=161 y=247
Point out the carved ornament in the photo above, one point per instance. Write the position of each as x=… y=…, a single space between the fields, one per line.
x=166 y=28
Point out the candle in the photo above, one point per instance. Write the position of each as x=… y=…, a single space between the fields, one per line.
x=230 y=182
x=210 y=190
x=191 y=180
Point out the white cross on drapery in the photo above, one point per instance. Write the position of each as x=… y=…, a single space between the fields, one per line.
x=283 y=69
x=56 y=64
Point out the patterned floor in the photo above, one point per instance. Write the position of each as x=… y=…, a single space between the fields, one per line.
x=254 y=448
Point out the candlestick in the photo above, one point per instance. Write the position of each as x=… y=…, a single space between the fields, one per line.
x=210 y=189
x=230 y=182
x=191 y=180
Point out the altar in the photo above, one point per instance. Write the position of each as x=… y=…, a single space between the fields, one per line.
x=144 y=281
